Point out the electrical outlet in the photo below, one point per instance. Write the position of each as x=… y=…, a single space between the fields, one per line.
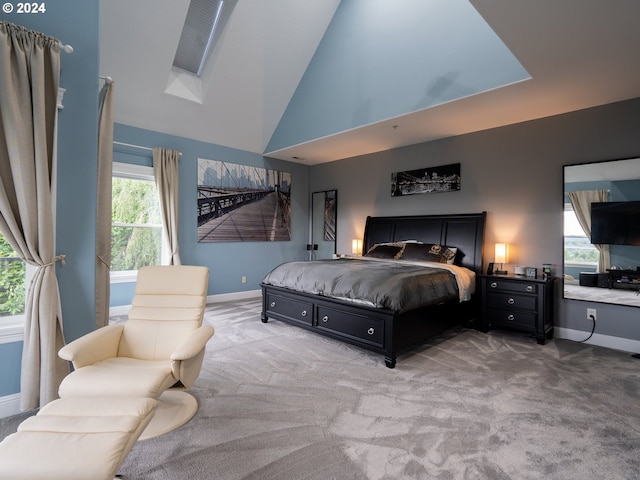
x=591 y=314
x=244 y=280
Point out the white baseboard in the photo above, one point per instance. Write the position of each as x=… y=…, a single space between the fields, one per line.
x=222 y=297
x=229 y=297
x=616 y=343
x=9 y=405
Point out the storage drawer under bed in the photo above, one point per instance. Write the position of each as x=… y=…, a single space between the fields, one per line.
x=366 y=329
x=301 y=312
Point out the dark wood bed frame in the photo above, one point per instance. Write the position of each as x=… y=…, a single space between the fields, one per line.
x=380 y=330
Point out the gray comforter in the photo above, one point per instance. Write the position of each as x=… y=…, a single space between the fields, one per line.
x=383 y=284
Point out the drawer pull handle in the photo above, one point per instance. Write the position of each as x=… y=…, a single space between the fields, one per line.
x=511 y=301
x=273 y=304
x=493 y=285
x=529 y=288
x=511 y=317
x=371 y=331
x=304 y=313
x=325 y=319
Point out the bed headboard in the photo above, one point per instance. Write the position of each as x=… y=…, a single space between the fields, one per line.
x=465 y=231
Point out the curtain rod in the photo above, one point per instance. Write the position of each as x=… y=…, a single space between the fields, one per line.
x=131 y=145
x=137 y=146
x=66 y=48
x=107 y=78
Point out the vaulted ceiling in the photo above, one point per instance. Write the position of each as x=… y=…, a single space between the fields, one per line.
x=576 y=53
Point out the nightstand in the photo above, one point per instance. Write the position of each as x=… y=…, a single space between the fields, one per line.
x=518 y=303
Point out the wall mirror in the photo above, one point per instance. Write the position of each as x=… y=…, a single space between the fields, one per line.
x=602 y=232
x=324 y=212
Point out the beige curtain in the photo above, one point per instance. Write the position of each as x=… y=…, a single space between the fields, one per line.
x=29 y=77
x=165 y=170
x=581 y=202
x=103 y=208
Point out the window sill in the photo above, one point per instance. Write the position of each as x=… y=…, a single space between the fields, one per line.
x=11 y=330
x=593 y=265
x=130 y=276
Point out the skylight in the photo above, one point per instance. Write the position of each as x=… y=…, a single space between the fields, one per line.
x=202 y=27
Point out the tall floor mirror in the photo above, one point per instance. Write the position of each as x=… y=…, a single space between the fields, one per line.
x=324 y=212
x=602 y=232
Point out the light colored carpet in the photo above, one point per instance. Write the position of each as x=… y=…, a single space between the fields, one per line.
x=280 y=403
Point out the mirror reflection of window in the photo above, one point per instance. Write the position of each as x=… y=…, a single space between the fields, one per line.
x=618 y=280
x=578 y=250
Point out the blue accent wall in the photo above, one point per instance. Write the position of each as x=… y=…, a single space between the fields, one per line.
x=74 y=22
x=227 y=261
x=378 y=60
x=10 y=359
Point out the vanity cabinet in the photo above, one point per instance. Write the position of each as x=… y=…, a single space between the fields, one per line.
x=518 y=303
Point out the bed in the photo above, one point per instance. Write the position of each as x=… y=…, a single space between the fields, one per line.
x=384 y=323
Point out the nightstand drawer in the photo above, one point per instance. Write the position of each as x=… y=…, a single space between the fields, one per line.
x=512 y=319
x=512 y=301
x=518 y=303
x=366 y=329
x=292 y=309
x=511 y=286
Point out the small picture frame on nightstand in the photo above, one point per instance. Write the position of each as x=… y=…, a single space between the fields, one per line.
x=531 y=272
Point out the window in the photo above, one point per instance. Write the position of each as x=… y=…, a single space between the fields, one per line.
x=578 y=249
x=15 y=275
x=136 y=229
x=202 y=28
x=12 y=281
x=193 y=65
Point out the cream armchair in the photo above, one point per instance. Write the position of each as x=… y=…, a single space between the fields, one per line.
x=157 y=352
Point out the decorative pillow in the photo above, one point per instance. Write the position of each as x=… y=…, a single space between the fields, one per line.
x=384 y=251
x=449 y=253
x=429 y=252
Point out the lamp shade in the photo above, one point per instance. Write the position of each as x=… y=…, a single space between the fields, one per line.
x=501 y=255
x=356 y=246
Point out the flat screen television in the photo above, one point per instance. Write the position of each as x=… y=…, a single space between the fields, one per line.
x=615 y=223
